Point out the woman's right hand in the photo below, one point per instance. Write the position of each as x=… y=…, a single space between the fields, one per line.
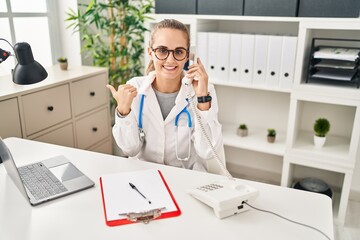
x=124 y=97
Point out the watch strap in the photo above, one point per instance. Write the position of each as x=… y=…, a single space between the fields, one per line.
x=204 y=99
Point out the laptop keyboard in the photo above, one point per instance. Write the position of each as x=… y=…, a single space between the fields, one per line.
x=40 y=181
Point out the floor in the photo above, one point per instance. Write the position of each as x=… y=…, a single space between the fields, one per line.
x=351 y=230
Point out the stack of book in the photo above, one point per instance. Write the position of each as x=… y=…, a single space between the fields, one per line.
x=334 y=65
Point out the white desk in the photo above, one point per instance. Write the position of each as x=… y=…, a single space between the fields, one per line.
x=81 y=216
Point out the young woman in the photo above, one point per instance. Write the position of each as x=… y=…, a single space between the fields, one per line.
x=154 y=120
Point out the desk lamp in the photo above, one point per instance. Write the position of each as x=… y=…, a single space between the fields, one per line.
x=27 y=71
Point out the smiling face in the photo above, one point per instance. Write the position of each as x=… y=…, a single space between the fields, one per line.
x=169 y=69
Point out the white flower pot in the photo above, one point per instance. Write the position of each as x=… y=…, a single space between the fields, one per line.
x=242 y=132
x=319 y=141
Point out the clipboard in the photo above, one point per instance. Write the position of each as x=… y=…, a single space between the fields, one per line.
x=123 y=205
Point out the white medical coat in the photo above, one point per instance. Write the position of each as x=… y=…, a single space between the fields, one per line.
x=160 y=134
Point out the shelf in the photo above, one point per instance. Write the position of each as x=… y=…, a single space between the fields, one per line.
x=255 y=141
x=335 y=152
x=311 y=21
x=334 y=146
x=346 y=93
x=250 y=86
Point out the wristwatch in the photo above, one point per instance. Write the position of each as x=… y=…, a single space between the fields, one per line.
x=204 y=99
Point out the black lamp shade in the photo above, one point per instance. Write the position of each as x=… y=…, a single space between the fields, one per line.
x=27 y=71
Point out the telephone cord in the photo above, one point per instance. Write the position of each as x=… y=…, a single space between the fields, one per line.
x=287 y=219
x=208 y=140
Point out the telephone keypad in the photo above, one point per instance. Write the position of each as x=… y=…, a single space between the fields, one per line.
x=210 y=187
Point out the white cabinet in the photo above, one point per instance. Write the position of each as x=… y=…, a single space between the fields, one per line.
x=46 y=108
x=69 y=108
x=10 y=118
x=290 y=107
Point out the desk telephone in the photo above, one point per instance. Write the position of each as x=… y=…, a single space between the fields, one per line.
x=225 y=197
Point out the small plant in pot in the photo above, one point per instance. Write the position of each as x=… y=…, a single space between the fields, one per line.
x=321 y=128
x=63 y=63
x=271 y=135
x=242 y=130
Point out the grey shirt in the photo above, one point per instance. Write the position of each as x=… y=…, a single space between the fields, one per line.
x=166 y=101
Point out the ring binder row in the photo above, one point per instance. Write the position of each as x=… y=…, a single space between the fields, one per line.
x=248 y=59
x=334 y=62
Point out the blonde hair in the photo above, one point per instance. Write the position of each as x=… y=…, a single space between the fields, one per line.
x=171 y=24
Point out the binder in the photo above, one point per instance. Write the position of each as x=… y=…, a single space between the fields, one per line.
x=274 y=61
x=222 y=61
x=288 y=57
x=218 y=56
x=223 y=56
x=201 y=48
x=235 y=58
x=247 y=58
x=212 y=55
x=260 y=59
x=124 y=205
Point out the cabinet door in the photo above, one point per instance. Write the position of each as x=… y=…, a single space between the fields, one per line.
x=92 y=129
x=10 y=125
x=105 y=147
x=63 y=136
x=89 y=93
x=46 y=108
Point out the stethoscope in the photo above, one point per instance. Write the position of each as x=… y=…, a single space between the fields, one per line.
x=184 y=111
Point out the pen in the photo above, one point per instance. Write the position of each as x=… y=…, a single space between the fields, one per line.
x=135 y=188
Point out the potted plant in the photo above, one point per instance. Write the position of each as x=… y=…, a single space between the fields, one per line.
x=321 y=128
x=271 y=135
x=112 y=34
x=63 y=63
x=242 y=130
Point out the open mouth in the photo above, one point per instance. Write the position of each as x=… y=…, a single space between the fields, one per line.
x=170 y=68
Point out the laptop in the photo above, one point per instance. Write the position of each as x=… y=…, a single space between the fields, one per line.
x=46 y=180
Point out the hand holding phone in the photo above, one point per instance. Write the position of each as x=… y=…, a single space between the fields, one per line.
x=192 y=60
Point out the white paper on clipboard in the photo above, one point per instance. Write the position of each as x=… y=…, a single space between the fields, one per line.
x=119 y=197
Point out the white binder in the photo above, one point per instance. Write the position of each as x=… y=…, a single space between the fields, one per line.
x=202 y=47
x=260 y=59
x=247 y=58
x=223 y=56
x=212 y=55
x=274 y=61
x=287 y=67
x=235 y=58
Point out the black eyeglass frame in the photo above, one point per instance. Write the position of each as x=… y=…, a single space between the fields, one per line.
x=173 y=53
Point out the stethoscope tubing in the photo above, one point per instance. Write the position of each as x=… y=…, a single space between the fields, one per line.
x=142 y=134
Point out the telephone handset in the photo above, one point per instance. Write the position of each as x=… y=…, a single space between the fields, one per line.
x=226 y=197
x=192 y=60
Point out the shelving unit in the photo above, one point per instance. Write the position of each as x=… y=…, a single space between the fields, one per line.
x=290 y=111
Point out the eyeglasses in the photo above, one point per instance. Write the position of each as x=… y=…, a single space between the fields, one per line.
x=162 y=53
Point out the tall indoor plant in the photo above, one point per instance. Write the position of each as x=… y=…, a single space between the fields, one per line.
x=112 y=32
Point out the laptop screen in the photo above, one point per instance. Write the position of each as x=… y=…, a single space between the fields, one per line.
x=11 y=169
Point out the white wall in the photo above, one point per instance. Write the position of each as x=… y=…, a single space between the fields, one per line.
x=70 y=40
